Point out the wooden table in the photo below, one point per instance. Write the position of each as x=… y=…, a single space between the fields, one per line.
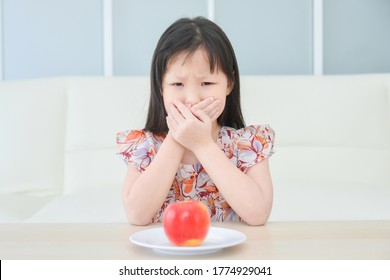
x=277 y=240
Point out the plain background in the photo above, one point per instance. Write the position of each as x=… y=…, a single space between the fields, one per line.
x=47 y=38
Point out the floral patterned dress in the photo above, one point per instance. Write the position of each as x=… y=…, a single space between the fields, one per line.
x=244 y=147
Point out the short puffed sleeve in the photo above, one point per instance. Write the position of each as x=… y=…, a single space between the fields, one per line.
x=254 y=143
x=137 y=147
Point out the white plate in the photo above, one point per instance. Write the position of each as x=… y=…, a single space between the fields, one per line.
x=216 y=239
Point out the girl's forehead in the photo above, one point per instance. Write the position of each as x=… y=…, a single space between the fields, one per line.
x=200 y=56
x=184 y=56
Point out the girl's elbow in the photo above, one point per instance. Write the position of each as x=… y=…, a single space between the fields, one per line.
x=138 y=220
x=139 y=223
x=137 y=217
x=257 y=221
x=257 y=218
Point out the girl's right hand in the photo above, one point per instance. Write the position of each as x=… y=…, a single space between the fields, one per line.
x=210 y=106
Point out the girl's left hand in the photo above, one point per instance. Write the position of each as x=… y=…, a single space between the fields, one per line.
x=211 y=106
x=191 y=127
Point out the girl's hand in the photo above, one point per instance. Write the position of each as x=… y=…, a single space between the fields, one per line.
x=210 y=106
x=190 y=127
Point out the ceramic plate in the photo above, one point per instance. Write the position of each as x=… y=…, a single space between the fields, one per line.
x=217 y=239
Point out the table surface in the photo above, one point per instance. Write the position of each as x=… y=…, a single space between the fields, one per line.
x=276 y=240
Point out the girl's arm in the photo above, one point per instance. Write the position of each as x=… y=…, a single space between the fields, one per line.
x=144 y=193
x=250 y=194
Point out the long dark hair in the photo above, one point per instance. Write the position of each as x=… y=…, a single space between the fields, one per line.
x=188 y=35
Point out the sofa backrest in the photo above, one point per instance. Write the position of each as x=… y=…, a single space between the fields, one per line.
x=32 y=136
x=332 y=159
x=328 y=129
x=98 y=108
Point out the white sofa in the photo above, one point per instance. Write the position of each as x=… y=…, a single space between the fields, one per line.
x=58 y=158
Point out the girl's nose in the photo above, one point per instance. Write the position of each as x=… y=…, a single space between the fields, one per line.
x=192 y=97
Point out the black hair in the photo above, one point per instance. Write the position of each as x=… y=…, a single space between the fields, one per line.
x=188 y=35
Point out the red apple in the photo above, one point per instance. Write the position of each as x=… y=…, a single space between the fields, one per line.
x=186 y=223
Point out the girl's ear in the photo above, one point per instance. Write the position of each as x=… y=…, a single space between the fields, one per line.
x=230 y=87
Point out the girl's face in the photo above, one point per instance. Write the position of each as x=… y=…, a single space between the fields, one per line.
x=189 y=80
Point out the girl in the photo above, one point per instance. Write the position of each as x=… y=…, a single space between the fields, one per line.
x=195 y=144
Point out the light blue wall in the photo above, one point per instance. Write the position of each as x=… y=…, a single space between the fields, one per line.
x=137 y=26
x=356 y=36
x=45 y=38
x=269 y=37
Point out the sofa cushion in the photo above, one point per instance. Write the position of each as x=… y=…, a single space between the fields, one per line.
x=18 y=207
x=330 y=201
x=91 y=205
x=32 y=122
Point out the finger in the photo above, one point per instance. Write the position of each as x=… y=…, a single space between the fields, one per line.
x=214 y=114
x=207 y=105
x=212 y=107
x=171 y=123
x=183 y=110
x=175 y=114
x=204 y=103
x=168 y=122
x=201 y=115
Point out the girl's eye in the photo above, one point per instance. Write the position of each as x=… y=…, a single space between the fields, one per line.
x=177 y=84
x=207 y=84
